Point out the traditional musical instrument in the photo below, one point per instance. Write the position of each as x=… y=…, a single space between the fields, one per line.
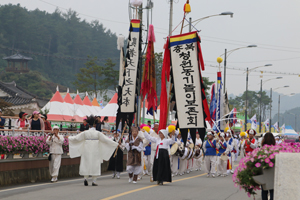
x=174 y=148
x=197 y=152
x=224 y=157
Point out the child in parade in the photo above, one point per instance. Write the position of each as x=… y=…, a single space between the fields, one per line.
x=223 y=151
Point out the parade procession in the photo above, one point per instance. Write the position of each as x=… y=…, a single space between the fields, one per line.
x=135 y=99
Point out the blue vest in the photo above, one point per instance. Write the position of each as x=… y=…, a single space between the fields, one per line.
x=147 y=152
x=221 y=149
x=210 y=151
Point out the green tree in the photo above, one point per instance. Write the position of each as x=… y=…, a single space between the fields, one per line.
x=94 y=78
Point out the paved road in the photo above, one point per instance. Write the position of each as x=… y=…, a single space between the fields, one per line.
x=187 y=187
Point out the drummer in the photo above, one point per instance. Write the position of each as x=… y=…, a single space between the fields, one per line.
x=198 y=161
x=223 y=151
x=182 y=159
x=190 y=145
x=230 y=146
x=174 y=158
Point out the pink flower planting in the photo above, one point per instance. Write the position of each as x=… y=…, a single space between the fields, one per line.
x=31 y=144
x=253 y=163
x=267 y=160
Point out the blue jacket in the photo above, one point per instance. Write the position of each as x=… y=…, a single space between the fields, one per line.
x=2 y=122
x=147 y=152
x=221 y=149
x=210 y=151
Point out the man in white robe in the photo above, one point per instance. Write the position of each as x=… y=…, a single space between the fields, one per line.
x=93 y=147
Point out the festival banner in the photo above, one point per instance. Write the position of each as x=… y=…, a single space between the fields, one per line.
x=128 y=92
x=276 y=127
x=148 y=86
x=213 y=103
x=188 y=88
x=266 y=123
x=253 y=122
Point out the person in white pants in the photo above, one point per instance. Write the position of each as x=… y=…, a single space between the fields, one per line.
x=55 y=142
x=210 y=146
x=198 y=162
x=174 y=158
x=153 y=133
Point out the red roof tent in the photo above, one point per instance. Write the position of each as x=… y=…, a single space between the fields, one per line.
x=86 y=101
x=68 y=99
x=57 y=97
x=77 y=100
x=111 y=116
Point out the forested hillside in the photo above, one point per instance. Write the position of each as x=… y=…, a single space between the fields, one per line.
x=58 y=42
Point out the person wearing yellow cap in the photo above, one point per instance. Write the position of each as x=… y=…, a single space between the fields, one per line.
x=174 y=158
x=147 y=153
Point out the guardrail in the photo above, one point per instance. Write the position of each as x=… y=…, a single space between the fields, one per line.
x=27 y=132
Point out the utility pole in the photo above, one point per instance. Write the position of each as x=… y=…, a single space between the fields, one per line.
x=171 y=17
x=168 y=85
x=278 y=109
x=270 y=109
x=225 y=61
x=246 y=98
x=260 y=105
x=138 y=115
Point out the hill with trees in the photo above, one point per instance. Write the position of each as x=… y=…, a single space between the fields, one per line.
x=58 y=42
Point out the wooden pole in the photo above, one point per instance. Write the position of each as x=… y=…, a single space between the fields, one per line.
x=119 y=140
x=182 y=24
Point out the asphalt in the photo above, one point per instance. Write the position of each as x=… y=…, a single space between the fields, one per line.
x=187 y=187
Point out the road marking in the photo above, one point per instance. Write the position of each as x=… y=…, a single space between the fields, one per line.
x=144 y=188
x=151 y=186
x=37 y=185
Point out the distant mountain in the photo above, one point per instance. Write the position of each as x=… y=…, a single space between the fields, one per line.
x=59 y=43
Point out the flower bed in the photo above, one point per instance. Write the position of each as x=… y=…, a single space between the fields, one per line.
x=27 y=144
x=256 y=161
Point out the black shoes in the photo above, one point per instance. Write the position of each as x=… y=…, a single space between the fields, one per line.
x=86 y=183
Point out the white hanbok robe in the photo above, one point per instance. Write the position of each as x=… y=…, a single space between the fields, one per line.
x=93 y=147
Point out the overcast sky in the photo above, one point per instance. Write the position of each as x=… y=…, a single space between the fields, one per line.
x=273 y=25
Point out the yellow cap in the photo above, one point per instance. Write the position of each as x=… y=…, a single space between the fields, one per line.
x=242 y=134
x=171 y=128
x=146 y=128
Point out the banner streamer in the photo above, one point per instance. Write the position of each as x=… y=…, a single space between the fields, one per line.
x=188 y=89
x=128 y=93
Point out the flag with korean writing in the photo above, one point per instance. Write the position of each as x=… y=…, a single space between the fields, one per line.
x=128 y=92
x=188 y=89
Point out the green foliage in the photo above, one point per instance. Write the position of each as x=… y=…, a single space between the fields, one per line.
x=253 y=100
x=59 y=34
x=97 y=78
x=32 y=82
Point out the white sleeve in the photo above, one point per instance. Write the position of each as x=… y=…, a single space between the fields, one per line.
x=254 y=146
x=149 y=138
x=48 y=141
x=217 y=145
x=171 y=141
x=77 y=138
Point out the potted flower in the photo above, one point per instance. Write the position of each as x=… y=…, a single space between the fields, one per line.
x=258 y=162
x=65 y=146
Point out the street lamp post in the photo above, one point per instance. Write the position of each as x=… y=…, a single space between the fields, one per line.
x=247 y=75
x=226 y=55
x=221 y=14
